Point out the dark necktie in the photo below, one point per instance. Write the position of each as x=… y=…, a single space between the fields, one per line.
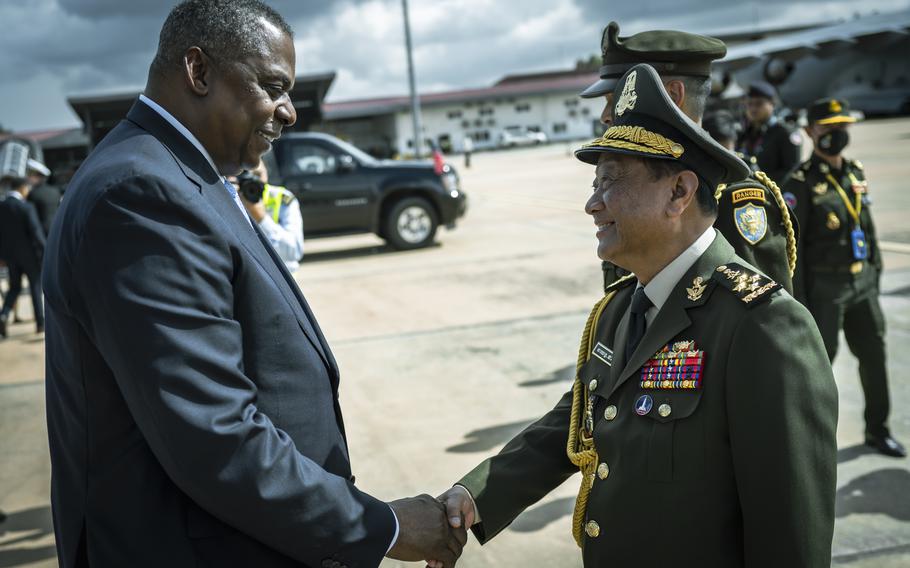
x=637 y=323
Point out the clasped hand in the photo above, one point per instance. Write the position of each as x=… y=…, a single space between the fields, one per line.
x=434 y=530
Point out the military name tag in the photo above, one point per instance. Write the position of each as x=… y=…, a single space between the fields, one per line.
x=603 y=353
x=678 y=366
x=860 y=247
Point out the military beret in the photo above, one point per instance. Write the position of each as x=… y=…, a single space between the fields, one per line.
x=829 y=111
x=762 y=89
x=669 y=52
x=646 y=123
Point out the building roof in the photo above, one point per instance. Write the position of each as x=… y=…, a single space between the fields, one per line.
x=509 y=86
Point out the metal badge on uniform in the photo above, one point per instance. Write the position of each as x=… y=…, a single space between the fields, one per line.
x=751 y=222
x=833 y=221
x=603 y=353
x=820 y=188
x=860 y=247
x=643 y=404
x=628 y=97
x=676 y=366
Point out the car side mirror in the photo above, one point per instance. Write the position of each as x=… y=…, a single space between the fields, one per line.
x=346 y=163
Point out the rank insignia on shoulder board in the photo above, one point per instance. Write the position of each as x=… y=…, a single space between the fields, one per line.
x=751 y=222
x=676 y=366
x=749 y=286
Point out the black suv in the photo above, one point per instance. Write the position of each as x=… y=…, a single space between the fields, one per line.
x=343 y=190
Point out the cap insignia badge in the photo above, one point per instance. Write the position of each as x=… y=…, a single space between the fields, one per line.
x=628 y=97
x=834 y=106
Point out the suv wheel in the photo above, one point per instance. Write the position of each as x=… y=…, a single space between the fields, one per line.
x=411 y=223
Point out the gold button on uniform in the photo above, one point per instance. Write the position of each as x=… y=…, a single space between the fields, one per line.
x=603 y=470
x=593 y=384
x=592 y=529
x=664 y=410
x=610 y=412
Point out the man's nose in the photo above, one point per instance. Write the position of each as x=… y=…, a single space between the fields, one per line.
x=286 y=113
x=594 y=203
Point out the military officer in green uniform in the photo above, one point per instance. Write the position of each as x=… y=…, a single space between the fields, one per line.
x=752 y=214
x=704 y=409
x=840 y=262
x=774 y=143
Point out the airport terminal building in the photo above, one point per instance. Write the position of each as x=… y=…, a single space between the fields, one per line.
x=538 y=102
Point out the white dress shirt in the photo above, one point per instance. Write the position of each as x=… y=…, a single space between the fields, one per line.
x=661 y=286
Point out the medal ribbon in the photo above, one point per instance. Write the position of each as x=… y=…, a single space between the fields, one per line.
x=853 y=210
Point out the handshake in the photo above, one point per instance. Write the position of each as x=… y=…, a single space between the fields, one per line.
x=434 y=530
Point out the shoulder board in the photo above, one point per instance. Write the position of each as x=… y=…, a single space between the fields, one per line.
x=621 y=283
x=751 y=287
x=287 y=197
x=856 y=164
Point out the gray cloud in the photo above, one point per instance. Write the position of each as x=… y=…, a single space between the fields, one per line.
x=51 y=49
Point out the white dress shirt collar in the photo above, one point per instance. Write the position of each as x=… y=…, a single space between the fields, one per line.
x=181 y=129
x=661 y=286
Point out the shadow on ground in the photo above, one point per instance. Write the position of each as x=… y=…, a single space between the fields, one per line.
x=566 y=374
x=486 y=439
x=356 y=252
x=34 y=524
x=538 y=517
x=850 y=453
x=884 y=491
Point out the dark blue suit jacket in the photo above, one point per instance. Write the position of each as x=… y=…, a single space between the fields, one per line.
x=191 y=397
x=21 y=235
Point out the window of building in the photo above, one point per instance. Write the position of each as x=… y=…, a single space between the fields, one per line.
x=453 y=114
x=478 y=123
x=585 y=111
x=559 y=127
x=571 y=102
x=485 y=111
x=481 y=136
x=522 y=107
x=573 y=113
x=533 y=128
x=491 y=122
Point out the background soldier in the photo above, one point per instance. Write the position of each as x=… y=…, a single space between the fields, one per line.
x=683 y=61
x=840 y=262
x=767 y=138
x=704 y=409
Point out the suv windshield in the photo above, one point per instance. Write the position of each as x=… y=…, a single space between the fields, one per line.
x=358 y=154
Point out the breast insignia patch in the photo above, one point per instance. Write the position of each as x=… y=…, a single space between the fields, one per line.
x=749 y=286
x=751 y=222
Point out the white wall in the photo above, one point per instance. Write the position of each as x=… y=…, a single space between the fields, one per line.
x=551 y=114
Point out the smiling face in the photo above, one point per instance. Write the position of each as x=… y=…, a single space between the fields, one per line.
x=248 y=103
x=629 y=209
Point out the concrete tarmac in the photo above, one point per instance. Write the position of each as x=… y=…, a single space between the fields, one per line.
x=447 y=352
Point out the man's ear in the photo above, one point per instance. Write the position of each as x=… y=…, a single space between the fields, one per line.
x=677 y=91
x=197 y=69
x=684 y=189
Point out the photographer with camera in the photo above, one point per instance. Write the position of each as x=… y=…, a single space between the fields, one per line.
x=275 y=210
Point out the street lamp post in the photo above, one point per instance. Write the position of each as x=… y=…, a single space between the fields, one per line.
x=415 y=102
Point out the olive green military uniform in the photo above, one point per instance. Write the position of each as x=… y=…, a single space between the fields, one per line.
x=776 y=146
x=712 y=444
x=757 y=223
x=738 y=471
x=840 y=290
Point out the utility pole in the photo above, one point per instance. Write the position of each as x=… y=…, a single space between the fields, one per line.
x=415 y=102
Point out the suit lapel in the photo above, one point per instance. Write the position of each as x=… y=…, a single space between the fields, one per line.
x=198 y=170
x=673 y=317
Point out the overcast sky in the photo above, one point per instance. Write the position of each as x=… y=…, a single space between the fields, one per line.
x=52 y=49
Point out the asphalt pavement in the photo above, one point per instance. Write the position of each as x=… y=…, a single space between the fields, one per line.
x=447 y=352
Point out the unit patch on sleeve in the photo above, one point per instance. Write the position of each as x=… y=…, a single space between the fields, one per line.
x=751 y=222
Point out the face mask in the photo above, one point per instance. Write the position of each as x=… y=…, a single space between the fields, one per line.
x=833 y=142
